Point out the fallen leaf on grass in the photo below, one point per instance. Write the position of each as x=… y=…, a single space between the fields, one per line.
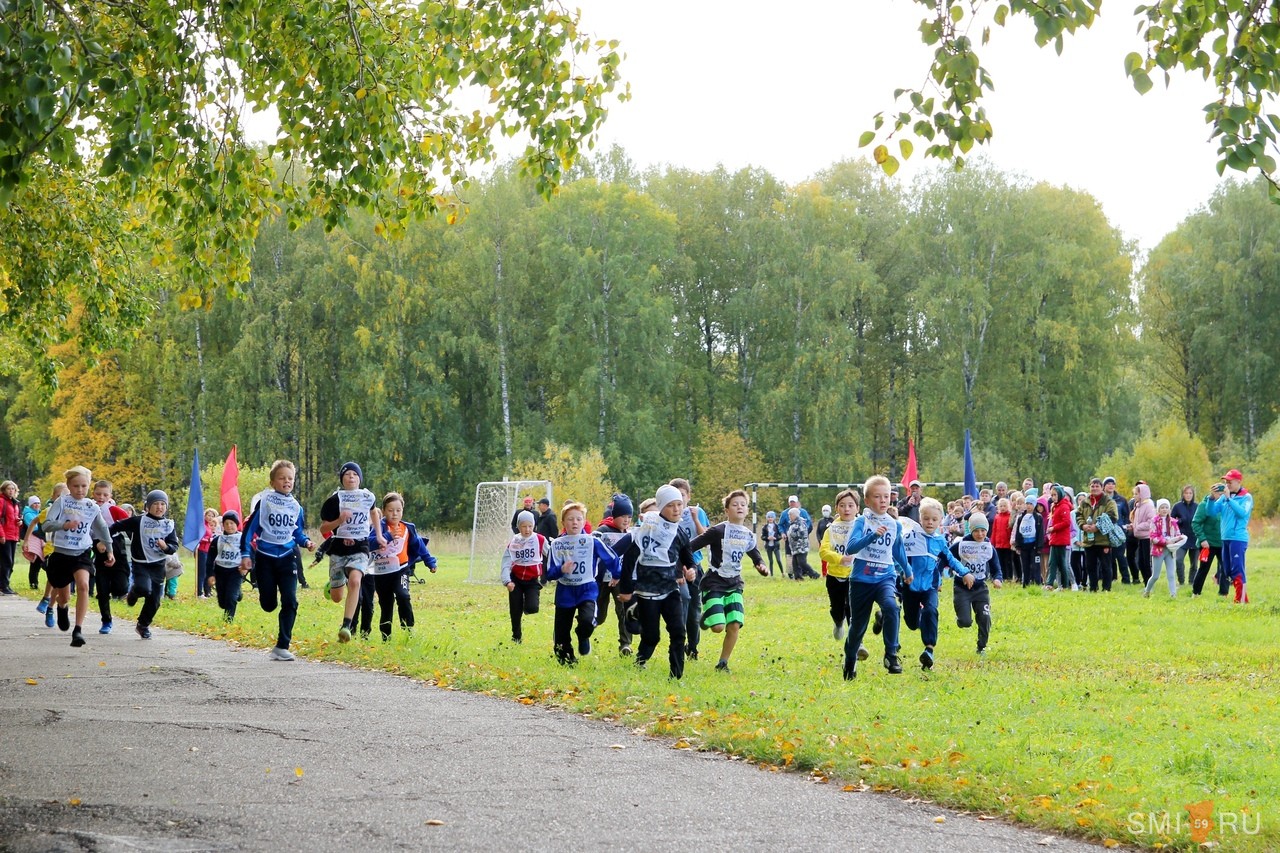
x=681 y=744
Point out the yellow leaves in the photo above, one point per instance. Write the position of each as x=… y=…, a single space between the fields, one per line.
x=1043 y=802
x=32 y=681
x=297 y=771
x=940 y=819
x=73 y=802
x=681 y=744
x=361 y=93
x=880 y=154
x=1110 y=843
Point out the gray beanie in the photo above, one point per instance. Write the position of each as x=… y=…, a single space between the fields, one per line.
x=978 y=521
x=524 y=516
x=153 y=496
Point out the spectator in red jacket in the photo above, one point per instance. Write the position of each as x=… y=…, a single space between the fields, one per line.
x=1059 y=536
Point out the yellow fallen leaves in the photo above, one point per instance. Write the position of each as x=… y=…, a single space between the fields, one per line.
x=74 y=801
x=1110 y=843
x=940 y=819
x=297 y=771
x=32 y=681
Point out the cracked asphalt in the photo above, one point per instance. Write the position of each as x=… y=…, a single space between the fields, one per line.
x=183 y=744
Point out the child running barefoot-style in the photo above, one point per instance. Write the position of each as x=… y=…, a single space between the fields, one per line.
x=730 y=542
x=927 y=553
x=975 y=562
x=154 y=539
x=523 y=563
x=877 y=559
x=831 y=550
x=573 y=566
x=75 y=529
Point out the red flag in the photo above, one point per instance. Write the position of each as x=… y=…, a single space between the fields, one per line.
x=230 y=492
x=910 y=473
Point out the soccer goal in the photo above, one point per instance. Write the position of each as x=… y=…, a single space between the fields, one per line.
x=496 y=503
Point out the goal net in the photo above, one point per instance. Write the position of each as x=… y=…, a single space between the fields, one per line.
x=495 y=504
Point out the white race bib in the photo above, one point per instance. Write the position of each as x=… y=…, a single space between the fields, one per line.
x=609 y=537
x=1027 y=526
x=654 y=538
x=880 y=549
x=914 y=540
x=975 y=556
x=737 y=541
x=228 y=556
x=358 y=502
x=386 y=560
x=838 y=535
x=82 y=512
x=580 y=549
x=152 y=532
x=525 y=551
x=277 y=518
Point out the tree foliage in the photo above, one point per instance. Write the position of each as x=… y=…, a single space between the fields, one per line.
x=580 y=476
x=1166 y=461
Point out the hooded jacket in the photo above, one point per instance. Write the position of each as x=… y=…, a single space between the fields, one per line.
x=1206 y=526
x=1142 y=512
x=1060 y=523
x=1088 y=514
x=1234 y=512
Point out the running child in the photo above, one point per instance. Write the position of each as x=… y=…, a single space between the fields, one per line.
x=224 y=564
x=656 y=561
x=573 y=565
x=276 y=525
x=75 y=530
x=730 y=541
x=113 y=582
x=977 y=562
x=831 y=550
x=348 y=516
x=875 y=553
x=154 y=538
x=927 y=553
x=694 y=522
x=523 y=562
x=616 y=523
x=390 y=569
x=46 y=549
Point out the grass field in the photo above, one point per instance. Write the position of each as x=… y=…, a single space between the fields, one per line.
x=1102 y=716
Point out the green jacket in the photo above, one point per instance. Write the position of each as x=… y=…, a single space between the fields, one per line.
x=1205 y=527
x=1086 y=515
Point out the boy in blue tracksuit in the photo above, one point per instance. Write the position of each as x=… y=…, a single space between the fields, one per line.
x=573 y=564
x=874 y=550
x=927 y=553
x=978 y=563
x=1234 y=506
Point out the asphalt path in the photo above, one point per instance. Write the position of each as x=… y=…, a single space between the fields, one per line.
x=178 y=743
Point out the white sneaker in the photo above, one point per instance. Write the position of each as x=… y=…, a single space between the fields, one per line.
x=838 y=631
x=278 y=653
x=1075 y=587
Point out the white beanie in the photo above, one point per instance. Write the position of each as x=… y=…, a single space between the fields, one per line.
x=1163 y=502
x=524 y=516
x=665 y=495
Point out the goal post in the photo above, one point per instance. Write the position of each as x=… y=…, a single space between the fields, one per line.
x=495 y=503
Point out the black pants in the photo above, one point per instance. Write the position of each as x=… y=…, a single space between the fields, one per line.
x=1010 y=563
x=204 y=573
x=772 y=551
x=363 y=618
x=33 y=572
x=693 y=615
x=393 y=592
x=1131 y=557
x=523 y=601
x=585 y=611
x=800 y=566
x=1097 y=566
x=8 y=553
x=670 y=610
x=278 y=587
x=1077 y=568
x=1215 y=555
x=974 y=605
x=1140 y=563
x=1030 y=570
x=607 y=595
x=838 y=598
x=228 y=585
x=1117 y=565
x=148 y=585
x=302 y=579
x=113 y=582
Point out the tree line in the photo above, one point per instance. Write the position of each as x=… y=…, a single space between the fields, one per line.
x=674 y=321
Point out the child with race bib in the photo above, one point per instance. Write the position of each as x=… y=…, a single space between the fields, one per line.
x=831 y=551
x=224 y=564
x=391 y=562
x=523 y=562
x=926 y=549
x=573 y=566
x=978 y=563
x=348 y=515
x=730 y=542
x=275 y=526
x=876 y=556
x=74 y=529
x=616 y=523
x=153 y=538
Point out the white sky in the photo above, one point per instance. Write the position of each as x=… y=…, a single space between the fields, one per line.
x=790 y=87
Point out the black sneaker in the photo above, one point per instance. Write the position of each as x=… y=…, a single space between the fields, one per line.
x=584 y=645
x=926 y=659
x=64 y=619
x=144 y=633
x=517 y=640
x=77 y=638
x=892 y=664
x=691 y=654
x=723 y=666
x=850 y=668
x=877 y=624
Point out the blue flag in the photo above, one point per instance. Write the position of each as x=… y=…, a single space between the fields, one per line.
x=970 y=479
x=193 y=527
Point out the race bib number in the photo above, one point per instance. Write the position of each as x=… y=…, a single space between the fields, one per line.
x=975 y=556
x=579 y=550
x=228 y=556
x=387 y=560
x=152 y=532
x=880 y=549
x=838 y=535
x=1027 y=527
x=914 y=540
x=83 y=513
x=278 y=518
x=359 y=503
x=525 y=552
x=609 y=537
x=654 y=538
x=737 y=541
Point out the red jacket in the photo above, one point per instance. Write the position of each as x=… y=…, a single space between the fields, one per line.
x=1060 y=519
x=1001 y=528
x=10 y=519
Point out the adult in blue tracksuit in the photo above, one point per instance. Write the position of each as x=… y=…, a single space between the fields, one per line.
x=874 y=550
x=979 y=563
x=1234 y=506
x=927 y=554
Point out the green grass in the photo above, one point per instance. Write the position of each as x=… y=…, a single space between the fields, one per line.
x=1090 y=713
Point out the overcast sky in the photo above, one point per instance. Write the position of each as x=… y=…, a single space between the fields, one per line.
x=790 y=87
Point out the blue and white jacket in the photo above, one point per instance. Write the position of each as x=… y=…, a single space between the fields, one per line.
x=876 y=557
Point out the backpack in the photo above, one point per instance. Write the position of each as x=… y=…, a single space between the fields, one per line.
x=1108 y=528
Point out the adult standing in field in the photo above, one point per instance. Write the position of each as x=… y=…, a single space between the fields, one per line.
x=1119 y=562
x=1234 y=506
x=784 y=522
x=1207 y=529
x=1097 y=547
x=10 y=526
x=515 y=516
x=548 y=525
x=1184 y=512
x=909 y=507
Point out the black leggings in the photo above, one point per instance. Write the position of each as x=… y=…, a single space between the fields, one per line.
x=393 y=591
x=33 y=572
x=8 y=553
x=838 y=596
x=586 y=613
x=1140 y=565
x=363 y=617
x=653 y=611
x=228 y=587
x=523 y=601
x=774 y=557
x=148 y=584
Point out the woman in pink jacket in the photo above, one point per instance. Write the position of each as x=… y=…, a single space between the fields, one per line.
x=1142 y=514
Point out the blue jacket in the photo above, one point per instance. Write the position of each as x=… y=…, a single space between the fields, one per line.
x=572 y=595
x=251 y=529
x=1234 y=510
x=926 y=572
x=866 y=572
x=417 y=545
x=784 y=518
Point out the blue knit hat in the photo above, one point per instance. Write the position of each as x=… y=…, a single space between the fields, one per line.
x=620 y=506
x=350 y=466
